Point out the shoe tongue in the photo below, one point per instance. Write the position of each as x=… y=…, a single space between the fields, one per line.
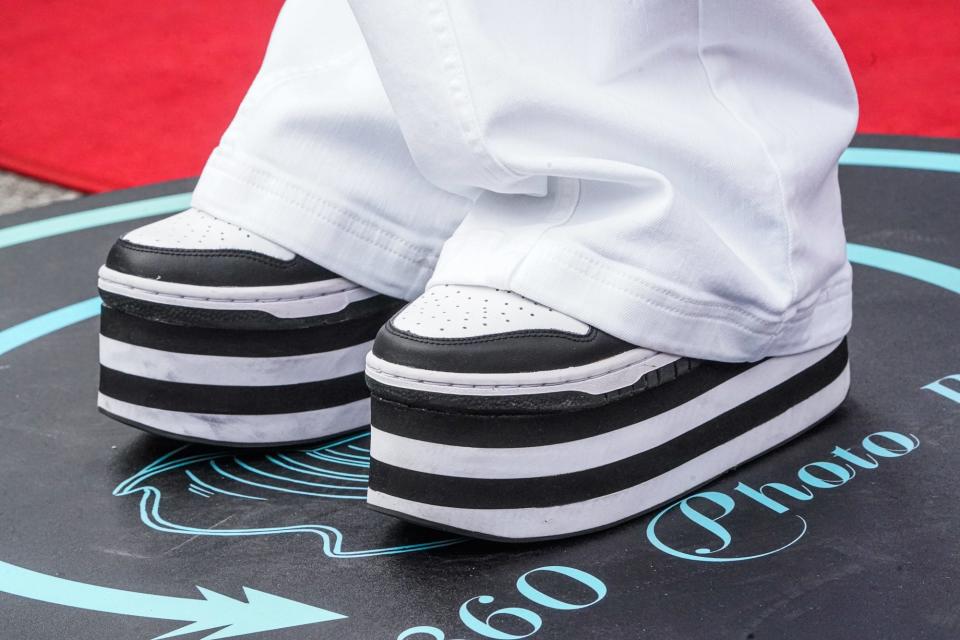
x=193 y=229
x=454 y=311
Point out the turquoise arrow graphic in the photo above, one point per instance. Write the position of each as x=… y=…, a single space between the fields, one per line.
x=261 y=612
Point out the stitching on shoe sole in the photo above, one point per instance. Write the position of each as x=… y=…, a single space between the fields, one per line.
x=519 y=386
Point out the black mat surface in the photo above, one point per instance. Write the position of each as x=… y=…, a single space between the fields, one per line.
x=106 y=532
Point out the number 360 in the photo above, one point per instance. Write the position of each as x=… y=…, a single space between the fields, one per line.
x=530 y=618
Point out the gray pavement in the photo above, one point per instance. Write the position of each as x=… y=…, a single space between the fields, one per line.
x=19 y=192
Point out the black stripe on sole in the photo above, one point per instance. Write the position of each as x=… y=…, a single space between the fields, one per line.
x=231 y=400
x=547 y=491
x=546 y=402
x=475 y=425
x=603 y=527
x=247 y=343
x=254 y=446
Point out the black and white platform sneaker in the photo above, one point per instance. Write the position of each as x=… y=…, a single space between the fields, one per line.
x=212 y=333
x=500 y=418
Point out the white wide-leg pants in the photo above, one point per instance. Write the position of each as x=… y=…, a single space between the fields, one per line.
x=665 y=170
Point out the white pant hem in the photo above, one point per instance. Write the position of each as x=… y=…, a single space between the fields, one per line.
x=349 y=241
x=610 y=297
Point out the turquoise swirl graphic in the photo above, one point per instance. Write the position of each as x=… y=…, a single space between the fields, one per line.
x=332 y=471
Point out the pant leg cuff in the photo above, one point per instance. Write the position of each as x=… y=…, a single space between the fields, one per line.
x=604 y=296
x=616 y=300
x=356 y=244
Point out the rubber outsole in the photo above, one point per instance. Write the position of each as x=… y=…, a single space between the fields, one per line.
x=236 y=384
x=491 y=538
x=514 y=491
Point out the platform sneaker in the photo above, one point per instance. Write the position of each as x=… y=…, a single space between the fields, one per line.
x=500 y=418
x=211 y=333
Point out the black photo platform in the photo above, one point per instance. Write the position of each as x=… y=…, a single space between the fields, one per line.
x=849 y=531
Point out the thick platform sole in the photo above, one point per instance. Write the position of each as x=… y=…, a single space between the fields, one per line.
x=538 y=475
x=239 y=387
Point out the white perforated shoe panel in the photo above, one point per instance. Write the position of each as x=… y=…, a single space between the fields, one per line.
x=193 y=229
x=454 y=311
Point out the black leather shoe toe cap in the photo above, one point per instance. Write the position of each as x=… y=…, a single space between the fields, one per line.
x=511 y=352
x=212 y=267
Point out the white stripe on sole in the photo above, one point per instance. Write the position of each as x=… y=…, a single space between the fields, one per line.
x=287 y=301
x=245 y=429
x=595 y=451
x=544 y=522
x=231 y=370
x=602 y=376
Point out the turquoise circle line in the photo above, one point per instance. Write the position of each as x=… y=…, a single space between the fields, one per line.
x=20 y=334
x=901 y=159
x=935 y=273
x=98 y=217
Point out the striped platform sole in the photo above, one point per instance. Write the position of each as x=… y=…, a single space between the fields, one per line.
x=514 y=475
x=232 y=384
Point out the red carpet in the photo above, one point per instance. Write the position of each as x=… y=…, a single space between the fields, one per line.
x=905 y=59
x=105 y=94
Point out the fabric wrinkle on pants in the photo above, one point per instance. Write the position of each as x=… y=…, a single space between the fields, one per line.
x=663 y=170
